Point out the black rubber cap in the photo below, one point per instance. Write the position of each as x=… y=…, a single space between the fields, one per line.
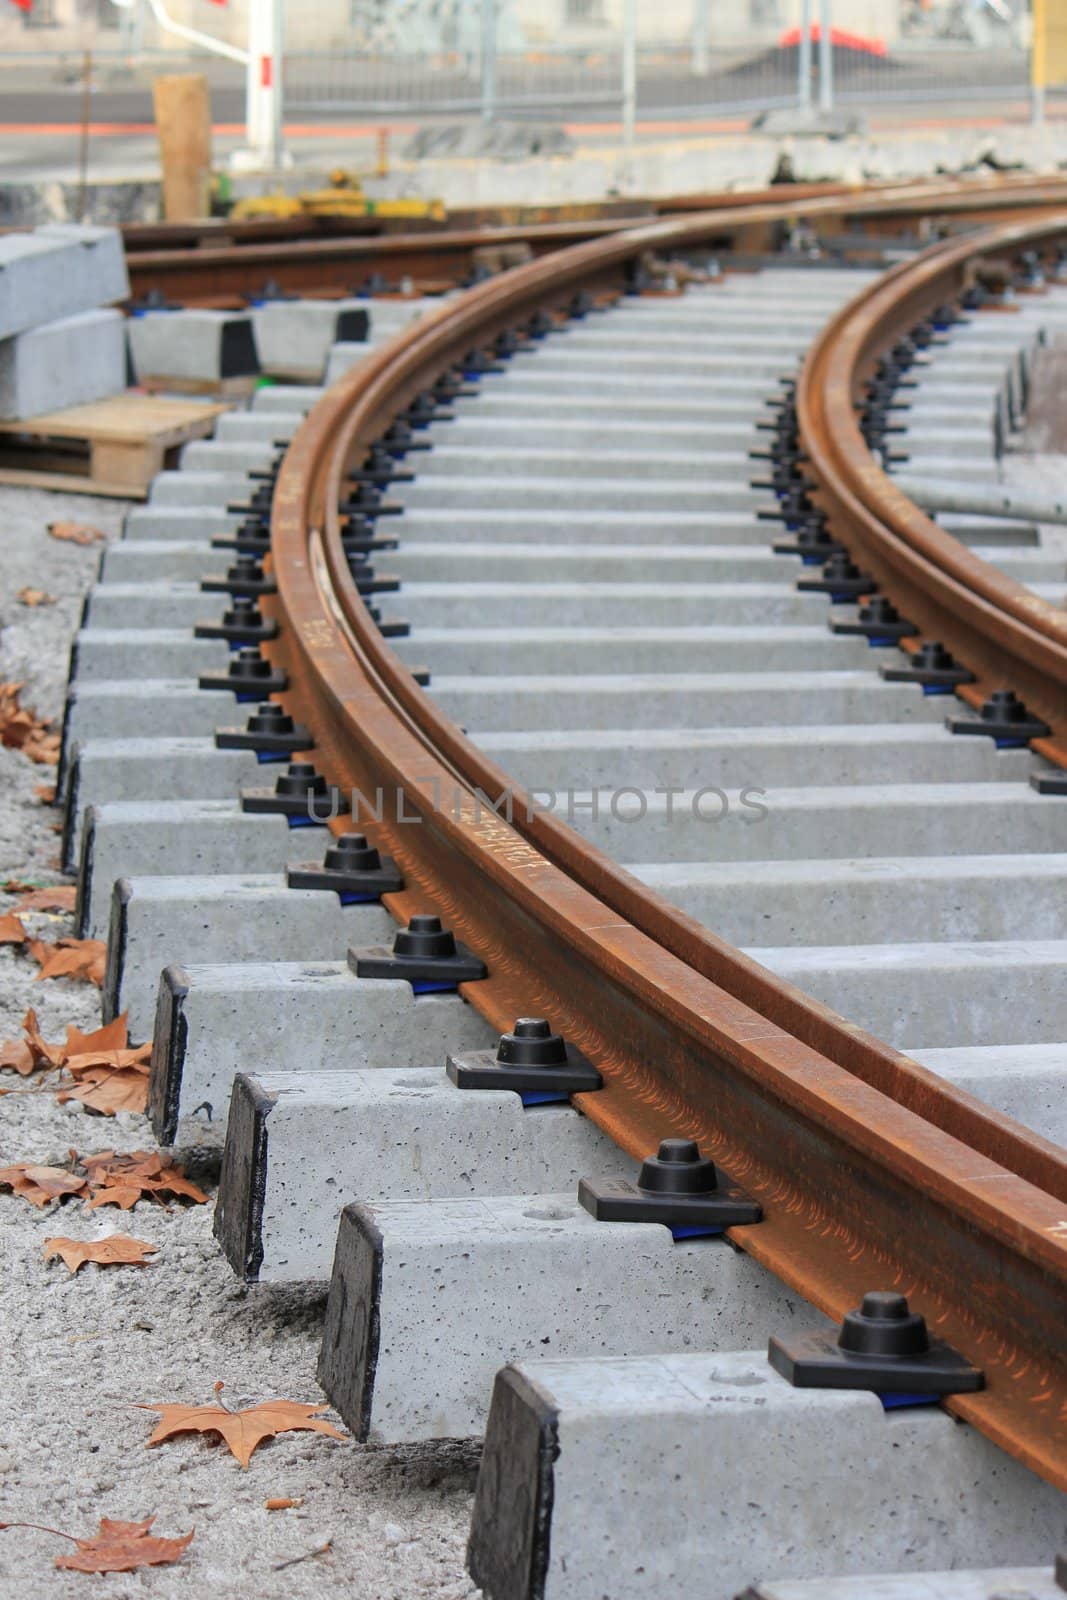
x=531 y=1043
x=244 y=612
x=352 y=853
x=245 y=567
x=300 y=779
x=425 y=939
x=270 y=717
x=249 y=665
x=883 y=1326
x=677 y=1169
x=932 y=656
x=1004 y=706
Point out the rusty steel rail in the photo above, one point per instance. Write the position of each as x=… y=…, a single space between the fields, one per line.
x=996 y=627
x=871 y=1170
x=211 y=265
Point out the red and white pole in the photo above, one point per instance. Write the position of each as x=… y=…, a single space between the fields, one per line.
x=263 y=96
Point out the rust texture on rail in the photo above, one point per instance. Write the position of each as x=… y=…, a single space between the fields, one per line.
x=872 y=1171
x=1000 y=630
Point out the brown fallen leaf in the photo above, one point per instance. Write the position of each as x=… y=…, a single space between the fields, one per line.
x=282 y=1502
x=35 y=597
x=243 y=1431
x=107 y=1090
x=25 y=730
x=118 y=1547
x=70 y=958
x=52 y=1055
x=40 y=1185
x=46 y=793
x=122 y=1180
x=17 y=1055
x=76 y=532
x=118 y=1249
x=61 y=897
x=11 y=929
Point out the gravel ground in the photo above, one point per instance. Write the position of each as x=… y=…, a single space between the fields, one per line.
x=84 y=1352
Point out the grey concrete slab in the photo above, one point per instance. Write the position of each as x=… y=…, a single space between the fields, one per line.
x=951 y=994
x=582 y=650
x=514 y=1277
x=193 y=838
x=163 y=921
x=105 y=770
x=992 y=1583
x=286 y=397
x=306 y=1015
x=182 y=524
x=227 y=455
x=603 y=494
x=443 y=605
x=489 y=562
x=117 y=709
x=925 y=898
x=295 y=336
x=1024 y=1081
x=824 y=755
x=109 y=654
x=827 y=823
x=150 y=607
x=162 y=561
x=192 y=343
x=323 y=1139
x=57 y=271
x=581 y=529
x=679 y=700
x=472 y=426
x=584 y=1456
x=257 y=427
x=209 y=489
x=62 y=363
x=730 y=465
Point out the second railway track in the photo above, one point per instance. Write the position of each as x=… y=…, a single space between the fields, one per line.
x=661 y=789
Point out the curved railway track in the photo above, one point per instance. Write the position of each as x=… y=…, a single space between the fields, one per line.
x=588 y=572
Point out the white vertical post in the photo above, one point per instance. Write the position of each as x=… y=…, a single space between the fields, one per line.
x=488 y=60
x=629 y=74
x=804 y=57
x=826 y=56
x=701 y=23
x=263 y=84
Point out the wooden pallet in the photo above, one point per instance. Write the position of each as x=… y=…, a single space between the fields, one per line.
x=110 y=447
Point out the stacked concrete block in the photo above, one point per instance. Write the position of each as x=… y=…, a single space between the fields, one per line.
x=58 y=347
x=294 y=337
x=192 y=346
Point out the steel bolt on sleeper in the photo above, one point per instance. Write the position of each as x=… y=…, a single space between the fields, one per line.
x=814 y=543
x=300 y=794
x=883 y=1347
x=246 y=576
x=270 y=732
x=537 y=1064
x=932 y=666
x=250 y=676
x=242 y=623
x=367 y=582
x=389 y=627
x=677 y=1187
x=1004 y=718
x=252 y=538
x=367 y=502
x=879 y=622
x=841 y=580
x=352 y=868
x=425 y=954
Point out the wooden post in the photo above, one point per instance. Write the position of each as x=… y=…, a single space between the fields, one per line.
x=183 y=123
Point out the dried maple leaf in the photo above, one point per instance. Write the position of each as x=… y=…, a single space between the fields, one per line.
x=24 y=730
x=70 y=958
x=11 y=929
x=243 y=1431
x=59 y=898
x=46 y=793
x=118 y=1547
x=112 y=1036
x=26 y=1055
x=35 y=597
x=107 y=1090
x=118 y=1249
x=17 y=1055
x=76 y=532
x=40 y=1185
x=122 y=1180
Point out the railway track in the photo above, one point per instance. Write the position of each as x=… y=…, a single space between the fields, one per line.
x=679 y=797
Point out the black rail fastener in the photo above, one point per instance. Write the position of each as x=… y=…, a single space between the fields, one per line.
x=677 y=1187
x=879 y=622
x=246 y=576
x=814 y=544
x=244 y=542
x=1049 y=782
x=300 y=794
x=270 y=733
x=367 y=502
x=367 y=581
x=249 y=676
x=389 y=627
x=1004 y=718
x=841 y=579
x=242 y=623
x=425 y=954
x=932 y=666
x=541 y=324
x=537 y=1064
x=883 y=1347
x=352 y=868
